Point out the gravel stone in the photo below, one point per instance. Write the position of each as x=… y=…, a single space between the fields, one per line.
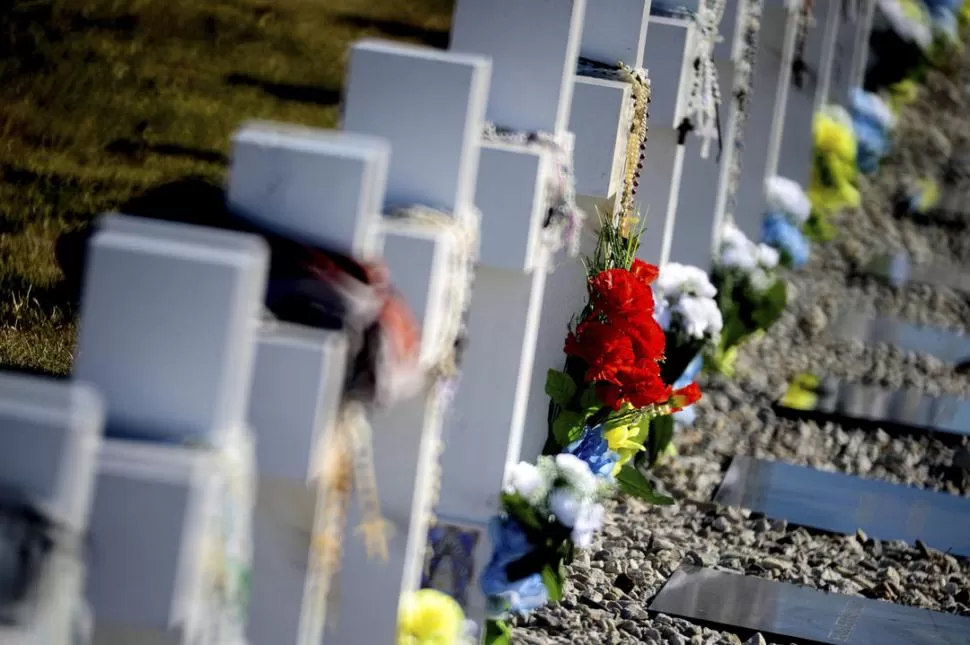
x=610 y=586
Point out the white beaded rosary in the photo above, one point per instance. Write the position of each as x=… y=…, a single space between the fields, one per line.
x=564 y=220
x=701 y=113
x=743 y=87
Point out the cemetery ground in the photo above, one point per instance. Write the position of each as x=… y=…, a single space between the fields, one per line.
x=103 y=101
x=641 y=546
x=111 y=104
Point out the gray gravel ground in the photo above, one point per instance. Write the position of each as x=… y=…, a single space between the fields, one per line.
x=611 y=585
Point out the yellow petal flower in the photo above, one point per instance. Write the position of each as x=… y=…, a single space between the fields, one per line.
x=429 y=617
x=797 y=398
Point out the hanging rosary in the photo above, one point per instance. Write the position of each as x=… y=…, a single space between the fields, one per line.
x=701 y=112
x=743 y=88
x=564 y=219
x=636 y=143
x=805 y=21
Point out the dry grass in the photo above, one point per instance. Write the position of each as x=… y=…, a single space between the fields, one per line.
x=101 y=100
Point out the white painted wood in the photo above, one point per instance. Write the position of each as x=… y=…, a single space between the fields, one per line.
x=435 y=142
x=322 y=187
x=830 y=40
x=781 y=90
x=860 y=49
x=155 y=508
x=845 y=48
x=515 y=212
x=697 y=204
x=533 y=45
x=298 y=381
x=487 y=427
x=178 y=306
x=615 y=30
x=601 y=120
x=750 y=200
x=51 y=433
x=297 y=386
x=429 y=105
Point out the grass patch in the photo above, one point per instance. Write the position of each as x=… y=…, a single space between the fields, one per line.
x=103 y=100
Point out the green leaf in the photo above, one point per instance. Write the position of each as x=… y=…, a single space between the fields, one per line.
x=497 y=632
x=590 y=401
x=661 y=433
x=522 y=512
x=553 y=580
x=568 y=427
x=560 y=387
x=632 y=482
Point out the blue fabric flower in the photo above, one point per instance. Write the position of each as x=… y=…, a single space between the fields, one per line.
x=517 y=596
x=594 y=449
x=872 y=145
x=778 y=232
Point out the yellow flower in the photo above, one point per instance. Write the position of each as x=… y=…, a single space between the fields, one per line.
x=625 y=434
x=429 y=617
x=833 y=137
x=799 y=398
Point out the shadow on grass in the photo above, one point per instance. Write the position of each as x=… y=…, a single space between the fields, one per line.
x=191 y=200
x=310 y=94
x=22 y=370
x=25 y=301
x=437 y=38
x=135 y=149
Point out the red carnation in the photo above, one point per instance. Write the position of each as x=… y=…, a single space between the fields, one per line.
x=618 y=294
x=686 y=396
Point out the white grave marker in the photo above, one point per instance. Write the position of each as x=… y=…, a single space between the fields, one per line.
x=434 y=126
x=167 y=332
x=51 y=432
x=534 y=46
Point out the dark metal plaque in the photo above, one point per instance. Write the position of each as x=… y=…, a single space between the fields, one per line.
x=945 y=345
x=906 y=408
x=785 y=611
x=898 y=270
x=841 y=503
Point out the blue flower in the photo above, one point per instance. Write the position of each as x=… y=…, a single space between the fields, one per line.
x=873 y=143
x=685 y=417
x=778 y=232
x=594 y=449
x=510 y=544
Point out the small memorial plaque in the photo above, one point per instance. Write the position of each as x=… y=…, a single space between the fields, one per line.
x=945 y=345
x=450 y=561
x=898 y=270
x=841 y=503
x=787 y=612
x=905 y=409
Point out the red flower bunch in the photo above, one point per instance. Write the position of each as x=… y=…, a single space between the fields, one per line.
x=622 y=344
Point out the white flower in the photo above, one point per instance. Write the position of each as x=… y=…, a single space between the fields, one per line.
x=731 y=235
x=528 y=481
x=761 y=280
x=677 y=279
x=909 y=20
x=738 y=257
x=787 y=196
x=699 y=316
x=589 y=520
x=577 y=473
x=767 y=256
x=565 y=505
x=873 y=106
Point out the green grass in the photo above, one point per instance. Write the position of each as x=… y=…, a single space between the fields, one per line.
x=103 y=100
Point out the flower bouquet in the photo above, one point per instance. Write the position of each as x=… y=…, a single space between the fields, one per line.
x=613 y=382
x=834 y=172
x=687 y=311
x=750 y=294
x=788 y=210
x=899 y=50
x=549 y=509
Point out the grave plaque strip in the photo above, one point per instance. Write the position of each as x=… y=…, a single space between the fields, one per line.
x=785 y=611
x=900 y=409
x=841 y=503
x=898 y=271
x=945 y=345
